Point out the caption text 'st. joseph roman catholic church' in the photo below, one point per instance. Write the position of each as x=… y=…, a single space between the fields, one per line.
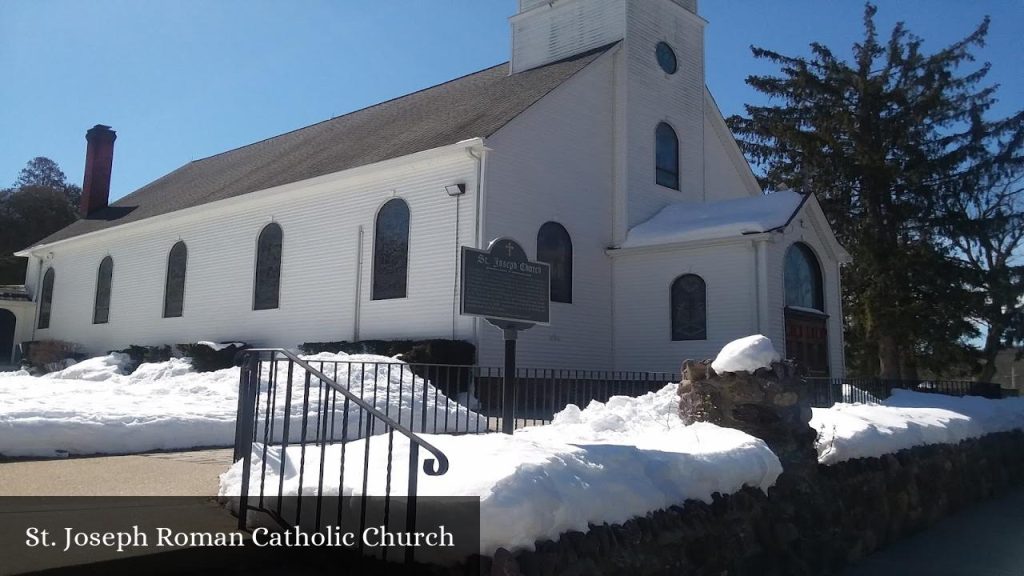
x=597 y=147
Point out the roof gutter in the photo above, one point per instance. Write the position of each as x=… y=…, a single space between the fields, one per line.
x=686 y=244
x=799 y=207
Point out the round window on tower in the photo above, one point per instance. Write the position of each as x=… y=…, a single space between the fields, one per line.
x=666 y=58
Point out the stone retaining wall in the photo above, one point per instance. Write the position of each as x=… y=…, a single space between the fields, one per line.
x=815 y=520
x=802 y=526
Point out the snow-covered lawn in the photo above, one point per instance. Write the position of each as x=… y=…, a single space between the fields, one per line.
x=91 y=407
x=606 y=463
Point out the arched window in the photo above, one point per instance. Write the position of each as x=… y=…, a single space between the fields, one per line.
x=268 y=268
x=46 y=300
x=174 y=284
x=391 y=251
x=689 y=308
x=666 y=156
x=104 y=276
x=555 y=247
x=803 y=278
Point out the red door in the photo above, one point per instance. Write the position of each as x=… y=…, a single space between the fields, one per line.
x=807 y=341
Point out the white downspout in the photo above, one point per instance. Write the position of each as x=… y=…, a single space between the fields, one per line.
x=38 y=292
x=481 y=199
x=359 y=285
x=760 y=246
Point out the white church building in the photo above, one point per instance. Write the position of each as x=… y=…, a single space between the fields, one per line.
x=597 y=147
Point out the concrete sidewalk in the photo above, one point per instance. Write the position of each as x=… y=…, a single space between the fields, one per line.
x=984 y=540
x=159 y=474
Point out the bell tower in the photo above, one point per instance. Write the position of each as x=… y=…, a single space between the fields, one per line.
x=545 y=31
x=658 y=84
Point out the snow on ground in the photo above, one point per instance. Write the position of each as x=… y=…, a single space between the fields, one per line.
x=606 y=463
x=684 y=222
x=746 y=355
x=909 y=419
x=92 y=407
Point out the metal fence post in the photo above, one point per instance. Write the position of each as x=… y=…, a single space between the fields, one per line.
x=247 y=395
x=508 y=395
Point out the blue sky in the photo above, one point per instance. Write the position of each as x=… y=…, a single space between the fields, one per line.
x=183 y=79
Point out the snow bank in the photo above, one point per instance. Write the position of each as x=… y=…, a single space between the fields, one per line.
x=606 y=463
x=688 y=221
x=14 y=373
x=218 y=346
x=92 y=407
x=746 y=355
x=909 y=419
x=94 y=369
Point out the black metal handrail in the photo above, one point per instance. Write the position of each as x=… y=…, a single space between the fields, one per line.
x=325 y=411
x=436 y=466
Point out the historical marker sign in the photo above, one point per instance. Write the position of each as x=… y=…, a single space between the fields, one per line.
x=502 y=284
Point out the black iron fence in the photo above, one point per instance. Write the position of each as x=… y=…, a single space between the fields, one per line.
x=311 y=430
x=829 y=391
x=459 y=399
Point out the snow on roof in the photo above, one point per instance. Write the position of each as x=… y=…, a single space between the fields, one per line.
x=689 y=221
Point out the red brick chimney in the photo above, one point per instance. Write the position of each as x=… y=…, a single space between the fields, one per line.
x=99 y=157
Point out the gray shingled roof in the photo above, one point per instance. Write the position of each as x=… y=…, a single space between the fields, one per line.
x=473 y=106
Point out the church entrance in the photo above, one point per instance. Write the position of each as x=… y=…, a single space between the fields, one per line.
x=807 y=341
x=7 y=324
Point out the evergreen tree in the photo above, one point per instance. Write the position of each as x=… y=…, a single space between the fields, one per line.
x=987 y=230
x=890 y=141
x=41 y=202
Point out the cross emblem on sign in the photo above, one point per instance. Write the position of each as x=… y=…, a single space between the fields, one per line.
x=509 y=248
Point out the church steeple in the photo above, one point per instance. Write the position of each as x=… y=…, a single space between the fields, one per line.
x=545 y=31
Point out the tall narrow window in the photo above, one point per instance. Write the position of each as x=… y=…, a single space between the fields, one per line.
x=391 y=251
x=268 y=268
x=555 y=247
x=46 y=300
x=666 y=156
x=689 y=308
x=174 y=285
x=104 y=276
x=803 y=278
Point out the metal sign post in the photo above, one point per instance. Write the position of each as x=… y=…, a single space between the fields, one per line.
x=504 y=287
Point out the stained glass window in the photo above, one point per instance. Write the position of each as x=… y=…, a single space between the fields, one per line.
x=174 y=286
x=268 y=268
x=555 y=247
x=104 y=277
x=391 y=251
x=689 y=308
x=666 y=58
x=46 y=300
x=666 y=156
x=803 y=278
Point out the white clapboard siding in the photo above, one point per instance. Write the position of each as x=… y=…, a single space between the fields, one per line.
x=726 y=172
x=643 y=337
x=554 y=162
x=320 y=223
x=550 y=31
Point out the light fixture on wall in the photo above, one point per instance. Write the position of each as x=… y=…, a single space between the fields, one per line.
x=455 y=189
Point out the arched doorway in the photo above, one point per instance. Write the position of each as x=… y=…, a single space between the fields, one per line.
x=7 y=325
x=806 y=321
